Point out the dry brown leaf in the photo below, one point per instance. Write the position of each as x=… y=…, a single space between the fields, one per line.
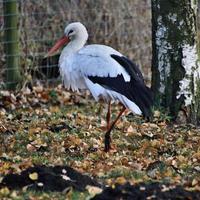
x=121 y=180
x=33 y=176
x=38 y=88
x=197 y=155
x=5 y=93
x=4 y=191
x=93 y=190
x=54 y=109
x=195 y=182
x=31 y=148
x=156 y=114
x=35 y=130
x=125 y=161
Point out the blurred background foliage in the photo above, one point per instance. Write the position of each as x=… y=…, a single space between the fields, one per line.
x=123 y=24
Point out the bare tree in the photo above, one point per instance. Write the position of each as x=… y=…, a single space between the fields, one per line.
x=175 y=67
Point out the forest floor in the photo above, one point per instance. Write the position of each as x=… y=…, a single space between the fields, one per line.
x=51 y=126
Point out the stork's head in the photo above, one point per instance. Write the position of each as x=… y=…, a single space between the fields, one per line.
x=74 y=32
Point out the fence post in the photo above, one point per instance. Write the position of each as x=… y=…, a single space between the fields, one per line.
x=11 y=43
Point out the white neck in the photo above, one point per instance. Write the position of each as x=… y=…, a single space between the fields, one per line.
x=77 y=41
x=73 y=46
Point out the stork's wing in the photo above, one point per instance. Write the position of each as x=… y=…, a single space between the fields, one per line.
x=96 y=60
x=129 y=66
x=135 y=89
x=92 y=60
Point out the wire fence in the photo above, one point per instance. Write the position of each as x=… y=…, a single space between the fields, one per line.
x=123 y=24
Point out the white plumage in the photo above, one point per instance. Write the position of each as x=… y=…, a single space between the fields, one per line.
x=102 y=70
x=94 y=60
x=91 y=60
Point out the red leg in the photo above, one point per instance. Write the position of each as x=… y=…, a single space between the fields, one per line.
x=108 y=116
x=107 y=135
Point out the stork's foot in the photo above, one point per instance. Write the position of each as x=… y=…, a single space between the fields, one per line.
x=107 y=142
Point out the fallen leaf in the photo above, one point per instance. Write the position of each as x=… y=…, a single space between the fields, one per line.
x=65 y=177
x=31 y=148
x=4 y=191
x=121 y=180
x=93 y=190
x=156 y=114
x=33 y=176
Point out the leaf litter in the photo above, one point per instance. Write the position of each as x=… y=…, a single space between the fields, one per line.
x=51 y=126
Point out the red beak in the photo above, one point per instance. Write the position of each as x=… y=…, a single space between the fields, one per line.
x=62 y=41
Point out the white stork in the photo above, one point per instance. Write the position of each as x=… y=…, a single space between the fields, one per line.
x=105 y=72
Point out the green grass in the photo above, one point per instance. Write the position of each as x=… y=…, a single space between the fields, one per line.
x=132 y=154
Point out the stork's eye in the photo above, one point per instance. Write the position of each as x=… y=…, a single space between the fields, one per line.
x=71 y=31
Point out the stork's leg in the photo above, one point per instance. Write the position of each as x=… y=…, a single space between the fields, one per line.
x=107 y=135
x=108 y=116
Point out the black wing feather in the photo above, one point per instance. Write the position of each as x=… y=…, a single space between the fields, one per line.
x=132 y=69
x=135 y=90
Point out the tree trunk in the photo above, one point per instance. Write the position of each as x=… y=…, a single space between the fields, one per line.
x=11 y=43
x=198 y=26
x=175 y=68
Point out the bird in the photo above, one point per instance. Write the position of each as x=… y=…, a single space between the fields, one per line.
x=105 y=72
